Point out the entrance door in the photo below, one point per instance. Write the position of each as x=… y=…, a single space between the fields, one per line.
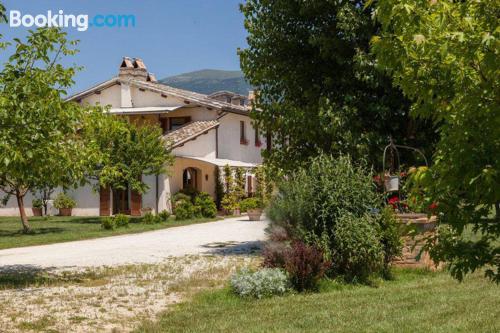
x=121 y=201
x=190 y=179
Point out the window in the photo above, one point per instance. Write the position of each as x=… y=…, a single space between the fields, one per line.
x=242 y=102
x=243 y=138
x=228 y=99
x=257 y=137
x=176 y=122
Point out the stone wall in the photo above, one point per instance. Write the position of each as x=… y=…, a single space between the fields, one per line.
x=412 y=256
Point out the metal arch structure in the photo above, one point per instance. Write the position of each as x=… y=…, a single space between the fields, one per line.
x=394 y=147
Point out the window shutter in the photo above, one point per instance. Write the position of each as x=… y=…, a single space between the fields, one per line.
x=104 y=201
x=136 y=203
x=249 y=185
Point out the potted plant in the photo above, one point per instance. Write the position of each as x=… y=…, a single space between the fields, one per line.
x=65 y=204
x=253 y=207
x=37 y=205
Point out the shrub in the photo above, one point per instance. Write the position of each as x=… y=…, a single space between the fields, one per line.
x=390 y=231
x=229 y=203
x=184 y=210
x=121 y=220
x=150 y=218
x=108 y=223
x=37 y=203
x=329 y=204
x=277 y=233
x=251 y=203
x=64 y=201
x=305 y=265
x=164 y=215
x=179 y=196
x=263 y=283
x=274 y=254
x=206 y=204
x=190 y=192
x=357 y=251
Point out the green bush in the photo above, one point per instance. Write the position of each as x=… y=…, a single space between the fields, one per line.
x=184 y=210
x=113 y=222
x=121 y=220
x=164 y=215
x=37 y=203
x=391 y=231
x=251 y=203
x=150 y=218
x=206 y=204
x=180 y=196
x=64 y=201
x=330 y=204
x=357 y=251
x=108 y=223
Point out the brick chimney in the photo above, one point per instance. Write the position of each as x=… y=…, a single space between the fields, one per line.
x=133 y=68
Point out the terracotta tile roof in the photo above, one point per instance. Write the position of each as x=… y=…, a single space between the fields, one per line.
x=189 y=131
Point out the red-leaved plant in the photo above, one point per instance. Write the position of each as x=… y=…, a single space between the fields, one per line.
x=305 y=264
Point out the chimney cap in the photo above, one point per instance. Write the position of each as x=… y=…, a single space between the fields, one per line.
x=133 y=68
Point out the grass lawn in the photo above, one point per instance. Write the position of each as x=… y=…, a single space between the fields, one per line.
x=416 y=301
x=57 y=229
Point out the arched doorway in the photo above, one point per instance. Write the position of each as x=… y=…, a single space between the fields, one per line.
x=191 y=179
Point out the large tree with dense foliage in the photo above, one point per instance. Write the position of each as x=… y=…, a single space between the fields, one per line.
x=318 y=89
x=444 y=55
x=39 y=140
x=126 y=152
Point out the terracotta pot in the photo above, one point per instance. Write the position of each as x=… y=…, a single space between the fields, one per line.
x=254 y=214
x=65 y=211
x=37 y=211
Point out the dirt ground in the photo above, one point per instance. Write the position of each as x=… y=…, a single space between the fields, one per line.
x=107 y=299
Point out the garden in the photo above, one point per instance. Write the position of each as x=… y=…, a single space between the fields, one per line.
x=330 y=264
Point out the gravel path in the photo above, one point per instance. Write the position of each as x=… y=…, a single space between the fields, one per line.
x=230 y=236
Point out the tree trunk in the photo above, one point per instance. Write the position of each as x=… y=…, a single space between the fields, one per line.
x=24 y=218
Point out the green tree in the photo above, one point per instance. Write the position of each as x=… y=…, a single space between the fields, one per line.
x=318 y=88
x=126 y=151
x=39 y=140
x=444 y=55
x=239 y=176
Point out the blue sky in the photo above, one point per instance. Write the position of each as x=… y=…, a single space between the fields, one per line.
x=171 y=37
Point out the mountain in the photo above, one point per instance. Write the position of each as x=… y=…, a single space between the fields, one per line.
x=207 y=81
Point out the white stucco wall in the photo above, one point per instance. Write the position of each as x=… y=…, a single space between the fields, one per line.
x=149 y=197
x=203 y=146
x=87 y=200
x=11 y=209
x=229 y=140
x=109 y=96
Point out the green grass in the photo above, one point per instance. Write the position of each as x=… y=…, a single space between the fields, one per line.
x=416 y=301
x=64 y=229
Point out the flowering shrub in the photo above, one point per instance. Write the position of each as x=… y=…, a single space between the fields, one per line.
x=264 y=283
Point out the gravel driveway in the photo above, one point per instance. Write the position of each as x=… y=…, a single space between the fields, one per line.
x=231 y=236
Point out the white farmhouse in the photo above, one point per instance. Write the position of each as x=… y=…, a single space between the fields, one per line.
x=207 y=132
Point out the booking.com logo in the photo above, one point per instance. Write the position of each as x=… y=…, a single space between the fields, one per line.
x=81 y=22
